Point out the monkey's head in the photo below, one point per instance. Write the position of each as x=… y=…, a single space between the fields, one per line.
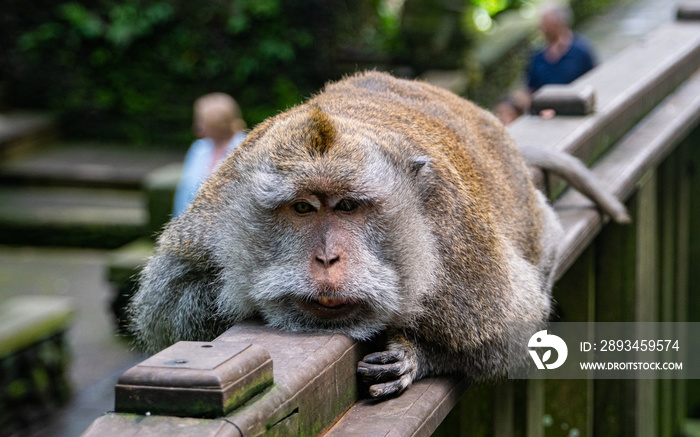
x=320 y=226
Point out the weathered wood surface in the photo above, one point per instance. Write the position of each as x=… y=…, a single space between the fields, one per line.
x=642 y=149
x=314 y=383
x=564 y=100
x=195 y=379
x=626 y=88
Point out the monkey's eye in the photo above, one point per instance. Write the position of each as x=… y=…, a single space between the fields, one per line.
x=346 y=205
x=303 y=207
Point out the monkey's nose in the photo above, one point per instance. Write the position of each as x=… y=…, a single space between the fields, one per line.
x=327 y=259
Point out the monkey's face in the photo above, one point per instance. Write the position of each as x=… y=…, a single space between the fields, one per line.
x=337 y=277
x=330 y=245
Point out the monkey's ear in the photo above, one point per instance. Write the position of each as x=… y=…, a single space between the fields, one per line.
x=420 y=163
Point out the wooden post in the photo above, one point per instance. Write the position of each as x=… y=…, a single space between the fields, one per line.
x=472 y=416
x=668 y=223
x=646 y=295
x=569 y=403
x=614 y=302
x=536 y=419
x=691 y=183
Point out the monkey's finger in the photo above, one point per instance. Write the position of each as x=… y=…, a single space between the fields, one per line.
x=380 y=372
x=383 y=357
x=390 y=388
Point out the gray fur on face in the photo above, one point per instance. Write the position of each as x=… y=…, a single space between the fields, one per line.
x=274 y=274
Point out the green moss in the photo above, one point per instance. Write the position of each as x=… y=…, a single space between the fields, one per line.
x=260 y=384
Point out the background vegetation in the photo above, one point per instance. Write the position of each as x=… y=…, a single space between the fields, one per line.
x=130 y=69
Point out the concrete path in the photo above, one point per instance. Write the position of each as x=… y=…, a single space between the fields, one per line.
x=99 y=357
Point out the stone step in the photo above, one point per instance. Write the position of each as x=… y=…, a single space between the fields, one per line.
x=65 y=216
x=86 y=164
x=22 y=132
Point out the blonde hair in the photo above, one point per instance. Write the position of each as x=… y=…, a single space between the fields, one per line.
x=220 y=111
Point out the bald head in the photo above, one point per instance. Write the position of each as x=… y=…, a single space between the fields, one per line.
x=555 y=22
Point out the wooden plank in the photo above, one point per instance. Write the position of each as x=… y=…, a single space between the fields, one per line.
x=536 y=421
x=646 y=296
x=314 y=376
x=642 y=149
x=615 y=290
x=668 y=221
x=693 y=249
x=417 y=412
x=195 y=379
x=569 y=403
x=626 y=88
x=503 y=409
x=688 y=213
x=132 y=425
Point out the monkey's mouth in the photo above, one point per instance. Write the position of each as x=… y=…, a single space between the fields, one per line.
x=329 y=307
x=333 y=302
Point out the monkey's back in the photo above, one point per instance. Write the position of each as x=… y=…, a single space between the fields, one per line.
x=452 y=228
x=488 y=219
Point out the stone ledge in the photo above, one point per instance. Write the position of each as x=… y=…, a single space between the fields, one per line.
x=22 y=132
x=28 y=319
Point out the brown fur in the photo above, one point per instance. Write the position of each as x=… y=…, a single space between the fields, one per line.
x=450 y=250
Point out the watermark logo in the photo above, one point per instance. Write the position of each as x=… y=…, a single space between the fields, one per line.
x=542 y=340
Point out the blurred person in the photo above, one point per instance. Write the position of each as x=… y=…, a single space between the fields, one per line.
x=566 y=55
x=510 y=107
x=220 y=128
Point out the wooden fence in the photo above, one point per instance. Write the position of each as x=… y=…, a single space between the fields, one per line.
x=644 y=141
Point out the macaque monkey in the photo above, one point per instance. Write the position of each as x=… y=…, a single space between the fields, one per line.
x=379 y=205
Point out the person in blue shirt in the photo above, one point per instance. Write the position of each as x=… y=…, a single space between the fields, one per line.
x=220 y=128
x=567 y=55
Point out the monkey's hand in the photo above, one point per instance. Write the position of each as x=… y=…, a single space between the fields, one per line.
x=390 y=372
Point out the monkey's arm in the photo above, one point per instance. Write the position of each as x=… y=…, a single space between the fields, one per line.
x=176 y=292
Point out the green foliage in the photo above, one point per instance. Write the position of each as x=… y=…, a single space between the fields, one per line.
x=493 y=7
x=584 y=9
x=130 y=69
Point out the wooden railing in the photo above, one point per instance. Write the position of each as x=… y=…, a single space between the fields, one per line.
x=643 y=139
